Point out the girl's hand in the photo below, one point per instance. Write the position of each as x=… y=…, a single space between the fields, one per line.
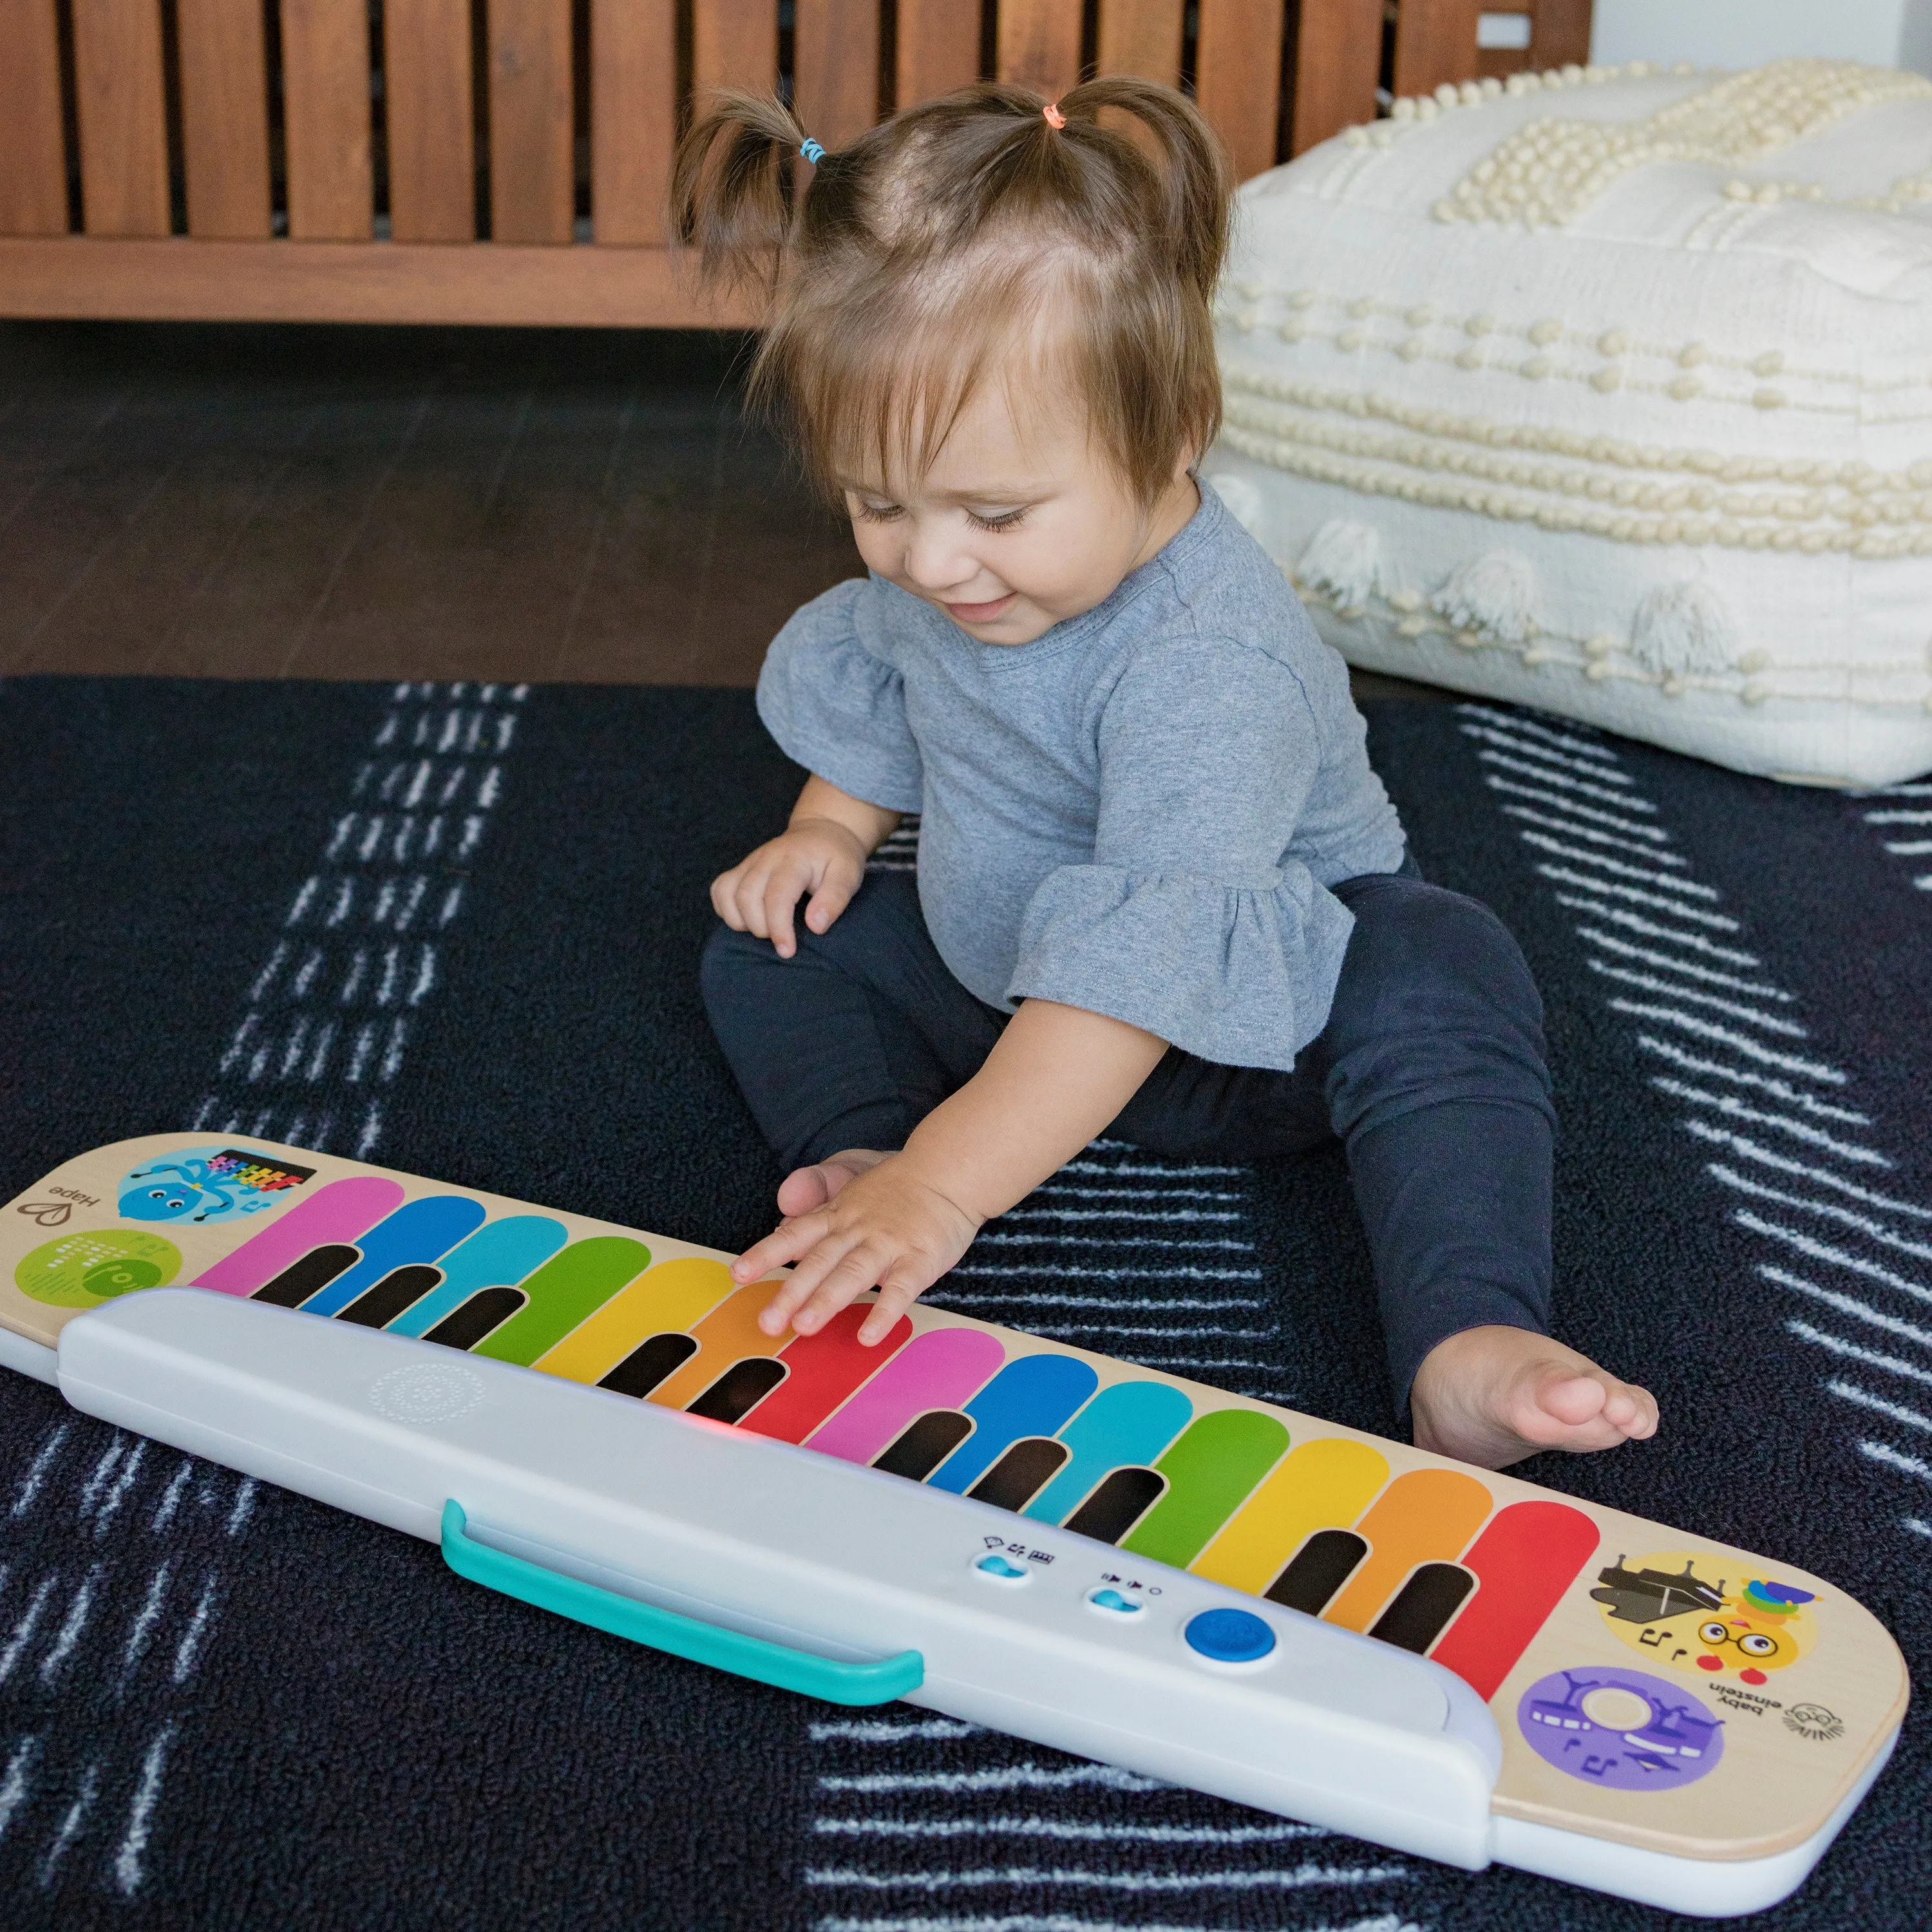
x=888 y=1228
x=760 y=894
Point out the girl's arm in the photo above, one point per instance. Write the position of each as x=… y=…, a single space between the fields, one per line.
x=823 y=851
x=1058 y=1076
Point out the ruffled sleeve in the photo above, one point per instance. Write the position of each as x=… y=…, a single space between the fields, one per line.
x=838 y=708
x=1193 y=920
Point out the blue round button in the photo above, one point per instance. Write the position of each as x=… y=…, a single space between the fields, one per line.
x=1229 y=1636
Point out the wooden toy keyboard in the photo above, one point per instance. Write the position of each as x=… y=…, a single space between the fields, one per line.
x=1652 y=1690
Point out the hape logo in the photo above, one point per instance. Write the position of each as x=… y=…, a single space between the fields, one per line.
x=202 y=1185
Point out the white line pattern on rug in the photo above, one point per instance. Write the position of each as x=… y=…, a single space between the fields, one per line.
x=1864 y=1246
x=144 y=1610
x=326 y=1025
x=335 y=1003
x=1906 y=829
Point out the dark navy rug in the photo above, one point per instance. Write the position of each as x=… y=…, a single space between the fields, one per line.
x=455 y=928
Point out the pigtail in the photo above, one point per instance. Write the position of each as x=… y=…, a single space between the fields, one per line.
x=1196 y=177
x=983 y=222
x=728 y=191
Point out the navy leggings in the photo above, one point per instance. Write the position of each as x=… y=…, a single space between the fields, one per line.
x=1430 y=1071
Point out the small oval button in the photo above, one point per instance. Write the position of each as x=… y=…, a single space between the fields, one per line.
x=1229 y=1636
x=1114 y=1602
x=997 y=1570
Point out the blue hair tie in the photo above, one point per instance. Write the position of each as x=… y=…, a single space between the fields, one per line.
x=812 y=151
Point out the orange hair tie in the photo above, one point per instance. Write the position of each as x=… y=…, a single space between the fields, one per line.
x=1054 y=118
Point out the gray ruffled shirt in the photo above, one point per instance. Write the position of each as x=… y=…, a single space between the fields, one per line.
x=1139 y=813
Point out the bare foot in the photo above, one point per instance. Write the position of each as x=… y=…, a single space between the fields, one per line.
x=1491 y=1396
x=806 y=1188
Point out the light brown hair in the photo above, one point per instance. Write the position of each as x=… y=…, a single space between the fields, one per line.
x=911 y=266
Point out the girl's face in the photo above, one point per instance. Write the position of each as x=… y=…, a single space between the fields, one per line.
x=1015 y=527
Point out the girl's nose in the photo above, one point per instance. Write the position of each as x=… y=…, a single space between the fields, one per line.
x=935 y=560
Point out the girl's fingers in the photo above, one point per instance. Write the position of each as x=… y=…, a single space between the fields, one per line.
x=747 y=891
x=785 y=1244
x=903 y=1285
x=724 y=898
x=784 y=1306
x=775 y=1318
x=833 y=896
x=781 y=892
x=858 y=1269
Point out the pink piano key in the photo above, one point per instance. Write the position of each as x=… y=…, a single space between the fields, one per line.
x=938 y=1370
x=342 y=1211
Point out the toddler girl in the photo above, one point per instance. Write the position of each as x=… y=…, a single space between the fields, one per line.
x=1160 y=892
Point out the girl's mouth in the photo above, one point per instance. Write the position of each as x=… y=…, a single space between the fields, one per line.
x=982 y=613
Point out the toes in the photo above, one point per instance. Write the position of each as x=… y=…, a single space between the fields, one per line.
x=1574 y=1400
x=1643 y=1422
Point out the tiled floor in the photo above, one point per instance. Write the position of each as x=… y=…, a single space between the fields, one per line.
x=584 y=505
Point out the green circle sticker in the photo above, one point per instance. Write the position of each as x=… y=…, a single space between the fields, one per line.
x=84 y=1270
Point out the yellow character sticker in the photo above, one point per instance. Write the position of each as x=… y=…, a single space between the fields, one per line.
x=1676 y=1608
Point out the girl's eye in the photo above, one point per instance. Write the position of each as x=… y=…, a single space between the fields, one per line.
x=1005 y=520
x=878 y=513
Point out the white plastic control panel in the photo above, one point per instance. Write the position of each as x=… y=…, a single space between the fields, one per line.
x=1200 y=1684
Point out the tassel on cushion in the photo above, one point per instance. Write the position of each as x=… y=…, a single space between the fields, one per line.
x=1494 y=596
x=1343 y=562
x=1683 y=628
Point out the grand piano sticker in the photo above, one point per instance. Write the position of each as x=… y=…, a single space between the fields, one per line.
x=1660 y=1607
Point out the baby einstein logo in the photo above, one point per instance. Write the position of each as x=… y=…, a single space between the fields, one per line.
x=207 y=1184
x=1661 y=1606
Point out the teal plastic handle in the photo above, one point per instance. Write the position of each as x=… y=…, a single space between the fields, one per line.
x=752 y=1657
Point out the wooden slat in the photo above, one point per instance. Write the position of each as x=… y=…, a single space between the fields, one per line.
x=835 y=68
x=734 y=44
x=1561 y=33
x=1499 y=63
x=1141 y=37
x=429 y=112
x=1435 y=42
x=530 y=188
x=633 y=117
x=1338 y=59
x=1237 y=77
x=124 y=133
x=1039 y=44
x=33 y=168
x=326 y=118
x=937 y=49
x=224 y=117
x=180 y=279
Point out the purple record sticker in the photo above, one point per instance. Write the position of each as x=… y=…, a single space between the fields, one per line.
x=1620 y=1728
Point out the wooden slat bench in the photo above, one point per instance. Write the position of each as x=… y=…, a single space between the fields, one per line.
x=424 y=160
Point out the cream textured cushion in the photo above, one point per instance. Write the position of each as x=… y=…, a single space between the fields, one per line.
x=1610 y=392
